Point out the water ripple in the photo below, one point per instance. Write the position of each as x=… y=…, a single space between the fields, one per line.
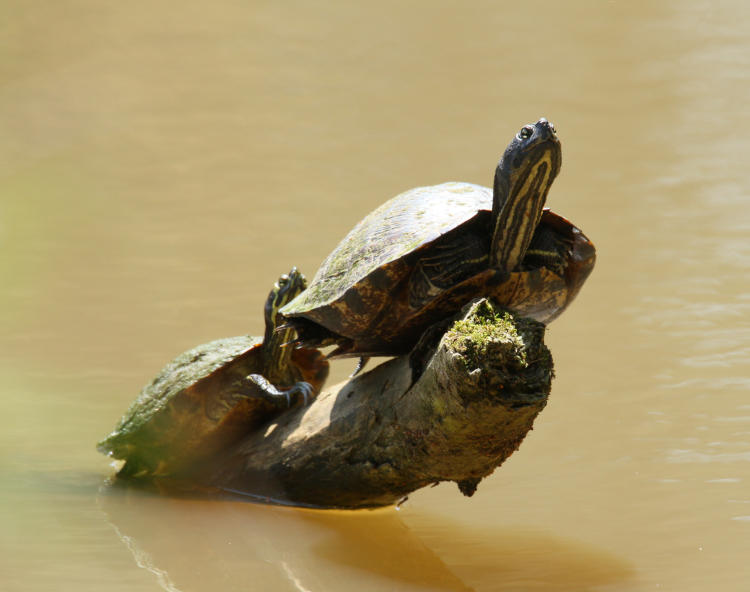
x=693 y=456
x=741 y=383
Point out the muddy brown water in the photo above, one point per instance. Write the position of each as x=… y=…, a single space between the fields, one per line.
x=162 y=163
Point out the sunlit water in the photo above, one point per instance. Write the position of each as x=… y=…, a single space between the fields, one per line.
x=161 y=164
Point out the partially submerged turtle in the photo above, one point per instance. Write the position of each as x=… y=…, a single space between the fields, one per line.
x=421 y=256
x=210 y=396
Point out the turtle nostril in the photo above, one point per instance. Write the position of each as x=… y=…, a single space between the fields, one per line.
x=546 y=125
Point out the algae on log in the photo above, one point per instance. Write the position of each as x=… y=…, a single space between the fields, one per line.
x=383 y=434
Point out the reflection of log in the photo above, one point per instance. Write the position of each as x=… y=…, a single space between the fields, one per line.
x=382 y=435
x=190 y=546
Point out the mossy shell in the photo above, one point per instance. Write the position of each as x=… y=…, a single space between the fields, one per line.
x=359 y=298
x=200 y=403
x=399 y=227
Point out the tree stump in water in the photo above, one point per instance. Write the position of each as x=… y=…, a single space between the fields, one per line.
x=455 y=413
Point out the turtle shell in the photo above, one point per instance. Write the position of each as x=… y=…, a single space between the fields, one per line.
x=200 y=403
x=361 y=297
x=557 y=263
x=402 y=225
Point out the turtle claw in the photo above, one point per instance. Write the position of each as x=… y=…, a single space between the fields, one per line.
x=303 y=388
x=360 y=365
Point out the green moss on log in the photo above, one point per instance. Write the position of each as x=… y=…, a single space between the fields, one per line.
x=485 y=330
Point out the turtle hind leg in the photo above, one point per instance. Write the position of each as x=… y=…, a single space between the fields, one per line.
x=274 y=394
x=309 y=333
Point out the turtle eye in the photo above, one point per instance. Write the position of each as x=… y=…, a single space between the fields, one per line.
x=525 y=132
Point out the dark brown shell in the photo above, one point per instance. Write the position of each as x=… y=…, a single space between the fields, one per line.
x=359 y=297
x=391 y=232
x=200 y=403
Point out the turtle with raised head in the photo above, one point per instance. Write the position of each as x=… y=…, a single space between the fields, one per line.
x=210 y=396
x=420 y=257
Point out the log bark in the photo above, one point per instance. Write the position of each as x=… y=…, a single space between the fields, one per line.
x=454 y=412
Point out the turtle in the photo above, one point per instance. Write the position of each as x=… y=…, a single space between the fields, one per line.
x=421 y=256
x=210 y=396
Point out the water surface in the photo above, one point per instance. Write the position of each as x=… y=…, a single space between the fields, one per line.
x=162 y=163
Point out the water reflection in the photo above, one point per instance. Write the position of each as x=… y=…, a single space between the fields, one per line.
x=195 y=545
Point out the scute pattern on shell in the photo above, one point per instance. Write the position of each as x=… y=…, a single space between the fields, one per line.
x=184 y=371
x=395 y=229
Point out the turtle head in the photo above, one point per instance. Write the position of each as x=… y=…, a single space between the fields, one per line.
x=276 y=357
x=288 y=286
x=522 y=180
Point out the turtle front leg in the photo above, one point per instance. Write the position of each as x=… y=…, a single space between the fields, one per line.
x=303 y=388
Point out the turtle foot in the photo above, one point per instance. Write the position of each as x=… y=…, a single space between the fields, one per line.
x=273 y=393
